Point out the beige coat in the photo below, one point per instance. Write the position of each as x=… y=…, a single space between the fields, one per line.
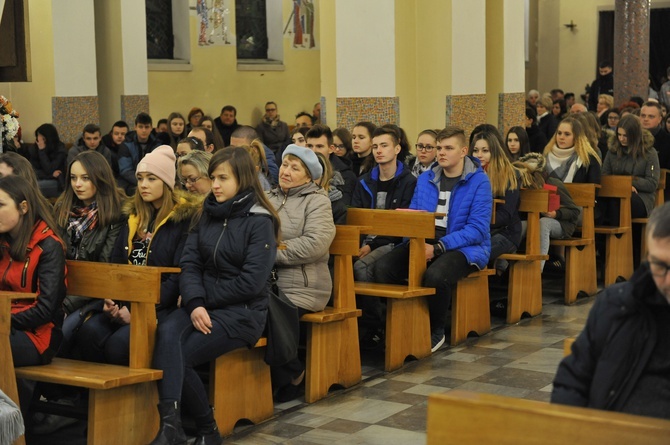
x=307 y=229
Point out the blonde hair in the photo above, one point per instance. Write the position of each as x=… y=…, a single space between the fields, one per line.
x=257 y=153
x=145 y=210
x=327 y=175
x=581 y=142
x=502 y=175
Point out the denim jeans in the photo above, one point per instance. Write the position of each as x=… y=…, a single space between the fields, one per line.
x=500 y=245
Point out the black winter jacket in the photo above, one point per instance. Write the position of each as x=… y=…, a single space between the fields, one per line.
x=614 y=348
x=227 y=262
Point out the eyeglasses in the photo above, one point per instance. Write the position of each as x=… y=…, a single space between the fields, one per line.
x=340 y=147
x=421 y=147
x=267 y=110
x=190 y=181
x=658 y=268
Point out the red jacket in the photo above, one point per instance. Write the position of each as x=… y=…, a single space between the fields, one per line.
x=42 y=272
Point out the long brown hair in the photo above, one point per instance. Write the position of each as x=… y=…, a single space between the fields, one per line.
x=499 y=170
x=108 y=197
x=20 y=190
x=145 y=210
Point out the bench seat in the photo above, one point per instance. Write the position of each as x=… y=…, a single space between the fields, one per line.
x=391 y=290
x=607 y=230
x=572 y=242
x=330 y=314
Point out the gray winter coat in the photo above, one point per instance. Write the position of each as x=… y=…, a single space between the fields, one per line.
x=307 y=229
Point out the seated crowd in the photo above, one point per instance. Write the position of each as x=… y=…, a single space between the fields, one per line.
x=234 y=206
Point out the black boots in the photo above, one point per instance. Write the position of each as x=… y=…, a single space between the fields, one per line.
x=208 y=432
x=170 y=432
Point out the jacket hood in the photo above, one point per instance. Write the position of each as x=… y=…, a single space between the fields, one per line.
x=648 y=141
x=188 y=204
x=470 y=165
x=534 y=162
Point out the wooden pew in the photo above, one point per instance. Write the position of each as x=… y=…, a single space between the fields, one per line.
x=524 y=294
x=619 y=239
x=122 y=399
x=470 y=309
x=407 y=318
x=660 y=199
x=580 y=250
x=468 y=418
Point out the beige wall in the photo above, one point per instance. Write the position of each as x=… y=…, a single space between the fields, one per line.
x=407 y=68
x=215 y=82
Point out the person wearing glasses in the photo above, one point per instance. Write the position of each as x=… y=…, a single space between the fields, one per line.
x=192 y=171
x=272 y=131
x=342 y=142
x=620 y=361
x=425 y=152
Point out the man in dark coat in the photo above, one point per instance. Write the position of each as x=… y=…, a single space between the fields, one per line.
x=226 y=123
x=604 y=84
x=621 y=361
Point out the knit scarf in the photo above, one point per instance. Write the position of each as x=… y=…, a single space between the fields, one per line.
x=82 y=219
x=562 y=163
x=419 y=168
x=272 y=122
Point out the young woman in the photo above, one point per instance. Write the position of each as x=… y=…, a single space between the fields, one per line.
x=298 y=136
x=194 y=117
x=362 y=159
x=208 y=123
x=192 y=169
x=88 y=214
x=257 y=154
x=307 y=231
x=516 y=143
x=342 y=142
x=32 y=259
x=187 y=145
x=560 y=109
x=154 y=235
x=570 y=157
x=224 y=283
x=506 y=231
x=47 y=156
x=613 y=117
x=425 y=152
x=176 y=128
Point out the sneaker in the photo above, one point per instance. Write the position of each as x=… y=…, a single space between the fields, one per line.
x=373 y=339
x=437 y=339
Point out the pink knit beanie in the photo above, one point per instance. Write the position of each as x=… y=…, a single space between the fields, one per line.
x=161 y=163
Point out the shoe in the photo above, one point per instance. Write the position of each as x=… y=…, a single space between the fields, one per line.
x=555 y=264
x=170 y=431
x=207 y=430
x=499 y=308
x=373 y=339
x=437 y=339
x=50 y=423
x=289 y=392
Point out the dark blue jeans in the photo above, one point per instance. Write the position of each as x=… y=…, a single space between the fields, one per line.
x=442 y=273
x=24 y=353
x=179 y=348
x=500 y=245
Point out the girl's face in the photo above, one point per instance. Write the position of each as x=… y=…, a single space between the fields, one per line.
x=292 y=173
x=482 y=152
x=195 y=119
x=622 y=136
x=340 y=149
x=613 y=120
x=513 y=143
x=540 y=108
x=299 y=139
x=564 y=136
x=224 y=182
x=150 y=188
x=10 y=214
x=207 y=124
x=41 y=141
x=556 y=109
x=177 y=125
x=81 y=183
x=360 y=139
x=425 y=149
x=183 y=149
x=194 y=181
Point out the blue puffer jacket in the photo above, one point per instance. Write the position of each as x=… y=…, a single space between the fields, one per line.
x=469 y=214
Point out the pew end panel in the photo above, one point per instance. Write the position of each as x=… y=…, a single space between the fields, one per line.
x=470 y=310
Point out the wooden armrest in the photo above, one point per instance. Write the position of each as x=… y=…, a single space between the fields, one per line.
x=11 y=295
x=523 y=257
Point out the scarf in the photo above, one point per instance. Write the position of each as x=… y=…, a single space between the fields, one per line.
x=82 y=219
x=563 y=163
x=419 y=168
x=272 y=122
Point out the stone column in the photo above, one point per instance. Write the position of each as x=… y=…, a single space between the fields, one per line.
x=631 y=49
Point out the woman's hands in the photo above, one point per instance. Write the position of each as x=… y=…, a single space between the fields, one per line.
x=118 y=314
x=201 y=321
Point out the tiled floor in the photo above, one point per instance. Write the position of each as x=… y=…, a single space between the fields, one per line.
x=389 y=408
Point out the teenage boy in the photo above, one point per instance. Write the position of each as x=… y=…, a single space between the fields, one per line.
x=91 y=139
x=389 y=185
x=138 y=144
x=114 y=140
x=459 y=188
x=320 y=140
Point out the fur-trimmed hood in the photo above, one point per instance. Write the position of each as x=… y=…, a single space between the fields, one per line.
x=534 y=162
x=188 y=204
x=648 y=141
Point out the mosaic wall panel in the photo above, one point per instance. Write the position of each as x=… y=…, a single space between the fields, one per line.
x=511 y=111
x=133 y=105
x=71 y=114
x=324 y=116
x=466 y=111
x=379 y=110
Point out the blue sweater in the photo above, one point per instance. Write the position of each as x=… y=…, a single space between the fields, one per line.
x=469 y=213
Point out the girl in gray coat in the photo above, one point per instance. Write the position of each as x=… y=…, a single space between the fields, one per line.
x=307 y=231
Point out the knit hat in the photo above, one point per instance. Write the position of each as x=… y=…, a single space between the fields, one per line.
x=161 y=163
x=308 y=157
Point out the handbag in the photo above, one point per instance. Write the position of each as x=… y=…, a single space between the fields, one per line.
x=283 y=327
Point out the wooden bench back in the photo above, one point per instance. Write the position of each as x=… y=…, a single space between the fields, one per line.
x=139 y=285
x=584 y=196
x=533 y=202
x=468 y=418
x=344 y=247
x=660 y=190
x=417 y=226
x=620 y=187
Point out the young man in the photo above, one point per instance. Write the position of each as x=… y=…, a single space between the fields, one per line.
x=389 y=185
x=273 y=131
x=138 y=144
x=226 y=123
x=320 y=140
x=114 y=140
x=245 y=135
x=90 y=140
x=621 y=360
x=459 y=188
x=204 y=135
x=303 y=119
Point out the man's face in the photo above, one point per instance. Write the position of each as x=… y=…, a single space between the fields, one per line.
x=92 y=140
x=198 y=134
x=577 y=108
x=228 y=117
x=119 y=134
x=659 y=259
x=143 y=131
x=650 y=117
x=384 y=149
x=605 y=71
x=238 y=142
x=320 y=145
x=450 y=154
x=303 y=121
x=271 y=111
x=316 y=112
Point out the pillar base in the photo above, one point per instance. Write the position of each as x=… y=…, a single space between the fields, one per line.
x=379 y=110
x=466 y=111
x=71 y=114
x=511 y=111
x=133 y=105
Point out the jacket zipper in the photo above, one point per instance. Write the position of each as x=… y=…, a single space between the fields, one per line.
x=216 y=249
x=24 y=274
x=304 y=275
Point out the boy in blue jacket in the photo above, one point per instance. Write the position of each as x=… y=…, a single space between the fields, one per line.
x=459 y=188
